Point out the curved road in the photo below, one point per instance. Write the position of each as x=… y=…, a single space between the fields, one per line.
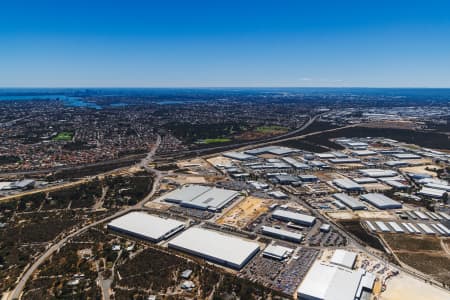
x=16 y=293
x=247 y=144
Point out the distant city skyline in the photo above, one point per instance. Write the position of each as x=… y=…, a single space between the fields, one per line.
x=225 y=44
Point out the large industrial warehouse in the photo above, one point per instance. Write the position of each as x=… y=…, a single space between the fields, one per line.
x=380 y=201
x=282 y=234
x=294 y=217
x=329 y=282
x=145 y=226
x=349 y=201
x=227 y=250
x=348 y=184
x=201 y=197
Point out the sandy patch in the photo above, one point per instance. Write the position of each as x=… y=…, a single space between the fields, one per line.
x=245 y=211
x=404 y=286
x=375 y=215
x=220 y=161
x=421 y=169
x=372 y=187
x=342 y=215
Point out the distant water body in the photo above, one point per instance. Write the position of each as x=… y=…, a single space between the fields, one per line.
x=67 y=100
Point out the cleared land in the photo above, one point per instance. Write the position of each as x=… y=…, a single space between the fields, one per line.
x=220 y=160
x=421 y=169
x=406 y=287
x=354 y=227
x=271 y=129
x=424 y=254
x=245 y=212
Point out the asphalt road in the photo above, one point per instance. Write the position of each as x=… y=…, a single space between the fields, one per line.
x=16 y=293
x=247 y=144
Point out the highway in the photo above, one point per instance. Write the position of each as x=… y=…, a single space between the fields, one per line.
x=144 y=163
x=258 y=143
x=16 y=293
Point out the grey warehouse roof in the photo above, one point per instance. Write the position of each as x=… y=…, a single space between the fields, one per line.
x=294 y=217
x=351 y=202
x=343 y=258
x=328 y=282
x=381 y=201
x=238 y=155
x=215 y=246
x=378 y=173
x=272 y=231
x=146 y=226
x=202 y=197
x=347 y=184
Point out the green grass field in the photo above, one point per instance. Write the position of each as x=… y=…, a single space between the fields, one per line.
x=63 y=136
x=214 y=141
x=272 y=128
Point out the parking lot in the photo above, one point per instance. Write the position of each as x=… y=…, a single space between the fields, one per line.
x=282 y=276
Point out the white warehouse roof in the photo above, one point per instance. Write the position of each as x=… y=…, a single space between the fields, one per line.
x=381 y=201
x=378 y=173
x=343 y=258
x=351 y=202
x=406 y=156
x=217 y=247
x=277 y=252
x=438 y=186
x=143 y=225
x=295 y=163
x=328 y=282
x=347 y=184
x=281 y=233
x=186 y=193
x=201 y=197
x=294 y=217
x=430 y=192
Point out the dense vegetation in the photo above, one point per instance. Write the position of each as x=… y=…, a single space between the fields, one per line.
x=355 y=228
x=8 y=159
x=191 y=133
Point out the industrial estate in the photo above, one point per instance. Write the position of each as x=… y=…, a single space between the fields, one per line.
x=325 y=209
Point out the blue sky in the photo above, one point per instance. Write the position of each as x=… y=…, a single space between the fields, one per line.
x=80 y=43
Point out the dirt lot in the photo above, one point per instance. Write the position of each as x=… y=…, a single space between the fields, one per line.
x=183 y=179
x=372 y=187
x=406 y=287
x=375 y=214
x=363 y=214
x=220 y=160
x=196 y=162
x=412 y=242
x=421 y=169
x=422 y=253
x=245 y=212
x=342 y=215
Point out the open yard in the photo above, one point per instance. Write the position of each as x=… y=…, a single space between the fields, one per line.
x=244 y=212
x=426 y=169
x=406 y=287
x=424 y=254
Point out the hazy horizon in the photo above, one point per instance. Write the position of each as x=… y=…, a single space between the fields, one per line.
x=178 y=44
